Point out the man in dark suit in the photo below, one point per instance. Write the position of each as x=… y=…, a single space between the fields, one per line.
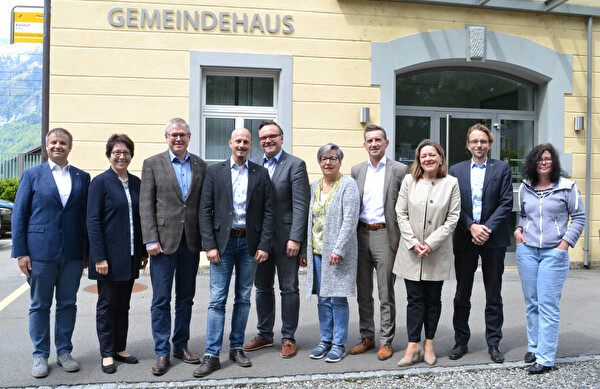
x=291 y=193
x=379 y=181
x=50 y=242
x=236 y=221
x=486 y=202
x=169 y=203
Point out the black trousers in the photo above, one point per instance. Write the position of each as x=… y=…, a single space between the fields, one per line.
x=423 y=309
x=492 y=267
x=112 y=315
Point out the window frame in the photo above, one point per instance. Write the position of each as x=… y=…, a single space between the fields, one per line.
x=238 y=64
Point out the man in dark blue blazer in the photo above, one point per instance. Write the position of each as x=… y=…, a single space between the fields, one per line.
x=236 y=225
x=486 y=202
x=50 y=243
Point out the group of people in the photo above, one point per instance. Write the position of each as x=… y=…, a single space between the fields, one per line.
x=427 y=224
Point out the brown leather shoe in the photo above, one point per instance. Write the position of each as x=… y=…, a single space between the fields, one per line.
x=288 y=349
x=385 y=352
x=257 y=343
x=186 y=355
x=365 y=345
x=161 y=366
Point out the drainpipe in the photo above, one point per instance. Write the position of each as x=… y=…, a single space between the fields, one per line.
x=588 y=162
x=46 y=77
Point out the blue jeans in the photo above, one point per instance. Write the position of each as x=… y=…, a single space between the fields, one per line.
x=46 y=276
x=543 y=273
x=183 y=266
x=235 y=255
x=334 y=312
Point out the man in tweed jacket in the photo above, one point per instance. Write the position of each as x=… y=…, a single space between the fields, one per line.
x=169 y=202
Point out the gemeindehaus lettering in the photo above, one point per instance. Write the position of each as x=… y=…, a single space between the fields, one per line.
x=170 y=19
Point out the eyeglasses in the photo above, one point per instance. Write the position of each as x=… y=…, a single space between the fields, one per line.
x=268 y=137
x=118 y=153
x=330 y=159
x=178 y=135
x=475 y=142
x=544 y=161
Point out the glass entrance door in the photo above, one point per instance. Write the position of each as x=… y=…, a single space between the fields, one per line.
x=454 y=127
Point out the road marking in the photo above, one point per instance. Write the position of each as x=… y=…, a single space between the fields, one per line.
x=14 y=295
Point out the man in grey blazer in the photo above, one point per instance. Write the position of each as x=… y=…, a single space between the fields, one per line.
x=291 y=193
x=379 y=181
x=236 y=223
x=169 y=203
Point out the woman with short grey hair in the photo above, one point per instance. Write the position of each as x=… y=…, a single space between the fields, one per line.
x=332 y=250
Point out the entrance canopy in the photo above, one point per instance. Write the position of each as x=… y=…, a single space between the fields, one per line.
x=565 y=7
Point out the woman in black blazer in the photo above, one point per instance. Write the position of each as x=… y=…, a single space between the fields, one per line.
x=116 y=249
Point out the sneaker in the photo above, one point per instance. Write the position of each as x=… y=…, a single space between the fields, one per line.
x=336 y=354
x=68 y=363
x=40 y=367
x=320 y=351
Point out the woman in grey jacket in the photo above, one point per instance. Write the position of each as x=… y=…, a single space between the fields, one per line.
x=543 y=235
x=332 y=251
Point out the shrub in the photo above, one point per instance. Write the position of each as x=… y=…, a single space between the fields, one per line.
x=8 y=188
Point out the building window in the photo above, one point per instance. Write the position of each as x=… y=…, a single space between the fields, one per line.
x=234 y=100
x=232 y=90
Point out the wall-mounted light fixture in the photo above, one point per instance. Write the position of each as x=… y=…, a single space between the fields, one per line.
x=365 y=114
x=578 y=123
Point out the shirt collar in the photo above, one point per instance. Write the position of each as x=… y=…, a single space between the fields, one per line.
x=54 y=166
x=474 y=164
x=172 y=156
x=276 y=157
x=233 y=165
x=382 y=161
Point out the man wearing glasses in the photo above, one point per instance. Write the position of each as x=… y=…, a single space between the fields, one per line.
x=169 y=204
x=290 y=206
x=486 y=202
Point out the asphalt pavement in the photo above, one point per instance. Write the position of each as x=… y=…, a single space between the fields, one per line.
x=579 y=335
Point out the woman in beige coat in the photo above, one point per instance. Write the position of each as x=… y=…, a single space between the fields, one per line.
x=428 y=209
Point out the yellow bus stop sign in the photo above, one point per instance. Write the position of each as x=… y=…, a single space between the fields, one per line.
x=28 y=27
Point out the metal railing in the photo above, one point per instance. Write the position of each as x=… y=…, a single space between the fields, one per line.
x=13 y=164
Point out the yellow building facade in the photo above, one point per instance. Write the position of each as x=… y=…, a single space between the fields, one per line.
x=320 y=67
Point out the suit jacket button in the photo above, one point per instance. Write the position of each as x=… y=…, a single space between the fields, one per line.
x=183 y=221
x=431 y=201
x=430 y=222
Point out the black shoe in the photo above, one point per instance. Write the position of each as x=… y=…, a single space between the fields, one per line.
x=109 y=369
x=539 y=369
x=529 y=357
x=458 y=351
x=239 y=357
x=130 y=359
x=207 y=366
x=495 y=354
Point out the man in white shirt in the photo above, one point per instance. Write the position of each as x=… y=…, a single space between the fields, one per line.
x=50 y=243
x=379 y=181
x=236 y=225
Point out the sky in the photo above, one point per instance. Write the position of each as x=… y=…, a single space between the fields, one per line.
x=5 y=9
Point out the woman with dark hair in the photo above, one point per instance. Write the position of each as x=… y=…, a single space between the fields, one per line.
x=543 y=235
x=428 y=210
x=332 y=248
x=116 y=249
